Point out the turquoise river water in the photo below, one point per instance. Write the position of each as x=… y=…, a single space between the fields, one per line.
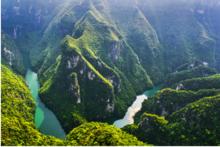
x=45 y=120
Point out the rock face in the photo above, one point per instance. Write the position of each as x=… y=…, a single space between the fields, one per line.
x=89 y=92
x=11 y=55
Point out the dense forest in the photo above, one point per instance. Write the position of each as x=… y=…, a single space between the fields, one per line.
x=93 y=57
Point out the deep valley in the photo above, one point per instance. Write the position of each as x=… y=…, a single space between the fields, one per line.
x=109 y=72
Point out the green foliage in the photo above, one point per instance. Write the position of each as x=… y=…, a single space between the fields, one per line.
x=202 y=83
x=18 y=124
x=178 y=77
x=169 y=100
x=197 y=123
x=193 y=115
x=18 y=131
x=78 y=120
x=69 y=41
x=141 y=36
x=131 y=129
x=151 y=129
x=136 y=42
x=82 y=85
x=155 y=118
x=94 y=41
x=16 y=98
x=101 y=134
x=17 y=113
x=129 y=44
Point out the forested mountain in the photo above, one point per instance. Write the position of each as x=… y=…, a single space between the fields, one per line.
x=93 y=57
x=18 y=124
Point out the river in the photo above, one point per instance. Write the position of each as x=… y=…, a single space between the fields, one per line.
x=48 y=124
x=134 y=108
x=45 y=120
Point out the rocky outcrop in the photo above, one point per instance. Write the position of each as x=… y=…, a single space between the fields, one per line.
x=78 y=86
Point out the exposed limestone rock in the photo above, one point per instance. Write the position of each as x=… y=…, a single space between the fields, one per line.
x=115 y=51
x=110 y=107
x=81 y=71
x=69 y=65
x=78 y=100
x=15 y=33
x=9 y=55
x=180 y=86
x=91 y=75
x=164 y=112
x=72 y=62
x=205 y=64
x=99 y=64
x=75 y=88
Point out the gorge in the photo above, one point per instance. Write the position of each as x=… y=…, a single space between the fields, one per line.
x=86 y=72
x=47 y=123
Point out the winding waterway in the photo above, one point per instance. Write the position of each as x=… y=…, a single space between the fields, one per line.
x=134 y=108
x=47 y=123
x=45 y=120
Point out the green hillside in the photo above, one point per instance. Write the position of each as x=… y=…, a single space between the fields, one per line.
x=18 y=124
x=93 y=58
x=164 y=117
x=17 y=108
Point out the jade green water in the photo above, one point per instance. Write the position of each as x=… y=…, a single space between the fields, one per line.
x=134 y=108
x=45 y=120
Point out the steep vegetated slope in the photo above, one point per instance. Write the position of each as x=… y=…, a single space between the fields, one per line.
x=97 y=45
x=94 y=56
x=11 y=55
x=202 y=120
x=18 y=124
x=17 y=117
x=183 y=35
x=195 y=124
x=82 y=86
x=188 y=71
x=187 y=115
x=122 y=36
x=24 y=21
